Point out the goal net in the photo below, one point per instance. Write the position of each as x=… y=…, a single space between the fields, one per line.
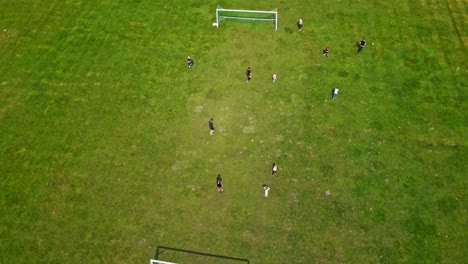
x=170 y=255
x=155 y=261
x=252 y=15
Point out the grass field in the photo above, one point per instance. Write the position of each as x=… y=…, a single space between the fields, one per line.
x=106 y=152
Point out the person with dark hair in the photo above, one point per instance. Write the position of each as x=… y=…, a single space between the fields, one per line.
x=325 y=52
x=299 y=24
x=274 y=169
x=362 y=44
x=248 y=73
x=211 y=126
x=219 y=183
x=335 y=93
x=189 y=62
x=266 y=189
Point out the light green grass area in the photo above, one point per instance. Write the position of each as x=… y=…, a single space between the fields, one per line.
x=106 y=152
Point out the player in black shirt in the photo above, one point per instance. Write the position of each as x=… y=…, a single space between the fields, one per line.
x=219 y=183
x=211 y=125
x=362 y=44
x=249 y=74
x=189 y=62
x=325 y=52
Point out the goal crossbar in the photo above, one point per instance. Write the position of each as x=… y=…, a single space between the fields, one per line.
x=191 y=254
x=155 y=261
x=273 y=12
x=248 y=11
x=247 y=18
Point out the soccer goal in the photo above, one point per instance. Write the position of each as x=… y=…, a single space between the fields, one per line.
x=252 y=15
x=176 y=255
x=155 y=261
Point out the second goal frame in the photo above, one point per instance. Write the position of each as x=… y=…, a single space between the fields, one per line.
x=273 y=12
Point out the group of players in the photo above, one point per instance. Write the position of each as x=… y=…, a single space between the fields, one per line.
x=266 y=188
x=248 y=72
x=219 y=180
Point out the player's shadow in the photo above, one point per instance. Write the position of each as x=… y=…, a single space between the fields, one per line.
x=288 y=30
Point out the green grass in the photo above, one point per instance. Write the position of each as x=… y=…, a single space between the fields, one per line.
x=106 y=153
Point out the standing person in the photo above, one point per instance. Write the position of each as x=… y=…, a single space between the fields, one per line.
x=219 y=183
x=266 y=189
x=211 y=125
x=273 y=78
x=274 y=169
x=335 y=93
x=249 y=74
x=362 y=44
x=325 y=52
x=299 y=24
x=189 y=62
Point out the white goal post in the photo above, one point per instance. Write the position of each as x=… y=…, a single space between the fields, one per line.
x=253 y=15
x=155 y=261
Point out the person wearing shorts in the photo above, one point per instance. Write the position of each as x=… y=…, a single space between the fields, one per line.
x=266 y=189
x=325 y=52
x=211 y=126
x=299 y=24
x=189 y=62
x=362 y=44
x=248 y=73
x=335 y=93
x=219 y=183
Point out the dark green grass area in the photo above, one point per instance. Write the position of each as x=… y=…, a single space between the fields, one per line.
x=106 y=152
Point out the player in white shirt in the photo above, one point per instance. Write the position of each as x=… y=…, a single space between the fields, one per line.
x=266 y=189
x=335 y=93
x=299 y=24
x=274 y=169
